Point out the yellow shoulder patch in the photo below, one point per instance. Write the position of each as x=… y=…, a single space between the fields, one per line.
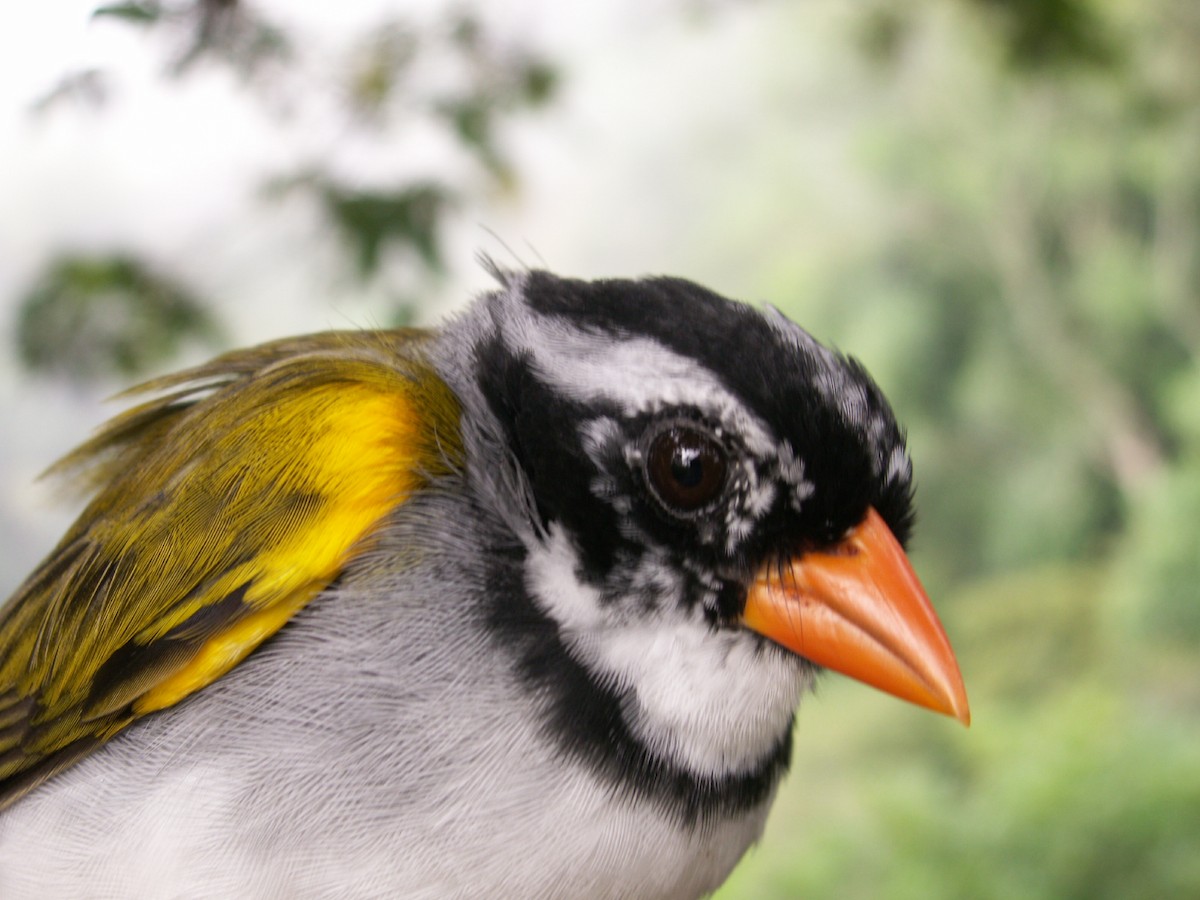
x=223 y=508
x=362 y=459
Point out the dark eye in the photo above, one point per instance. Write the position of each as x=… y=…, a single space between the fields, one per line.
x=685 y=468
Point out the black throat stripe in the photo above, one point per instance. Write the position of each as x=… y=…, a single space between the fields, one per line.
x=583 y=717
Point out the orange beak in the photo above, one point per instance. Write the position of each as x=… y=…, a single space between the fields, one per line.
x=858 y=608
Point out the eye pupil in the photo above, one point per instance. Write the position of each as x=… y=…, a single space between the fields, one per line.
x=685 y=468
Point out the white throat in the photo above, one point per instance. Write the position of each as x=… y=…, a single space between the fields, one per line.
x=712 y=703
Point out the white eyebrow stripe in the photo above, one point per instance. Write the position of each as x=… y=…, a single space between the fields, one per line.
x=638 y=374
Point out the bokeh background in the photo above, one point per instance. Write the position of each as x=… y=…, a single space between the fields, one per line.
x=995 y=205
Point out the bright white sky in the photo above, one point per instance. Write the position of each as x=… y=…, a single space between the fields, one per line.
x=168 y=167
x=642 y=166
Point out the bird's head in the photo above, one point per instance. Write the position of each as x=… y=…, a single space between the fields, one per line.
x=710 y=508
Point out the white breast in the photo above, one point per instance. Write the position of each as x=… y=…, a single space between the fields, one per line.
x=342 y=762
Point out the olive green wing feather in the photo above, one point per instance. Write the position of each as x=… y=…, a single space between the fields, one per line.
x=222 y=506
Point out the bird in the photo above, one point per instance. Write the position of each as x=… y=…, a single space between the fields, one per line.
x=522 y=605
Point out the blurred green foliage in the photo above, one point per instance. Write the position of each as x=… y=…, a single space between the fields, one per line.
x=451 y=76
x=1031 y=299
x=90 y=317
x=1080 y=777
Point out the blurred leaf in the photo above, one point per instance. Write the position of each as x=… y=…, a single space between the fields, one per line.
x=134 y=13
x=230 y=32
x=501 y=82
x=538 y=80
x=471 y=119
x=86 y=88
x=477 y=80
x=403 y=312
x=467 y=32
x=92 y=316
x=373 y=221
x=1041 y=34
x=379 y=65
x=882 y=32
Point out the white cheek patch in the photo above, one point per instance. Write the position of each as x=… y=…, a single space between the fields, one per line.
x=712 y=702
x=557 y=589
x=715 y=702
